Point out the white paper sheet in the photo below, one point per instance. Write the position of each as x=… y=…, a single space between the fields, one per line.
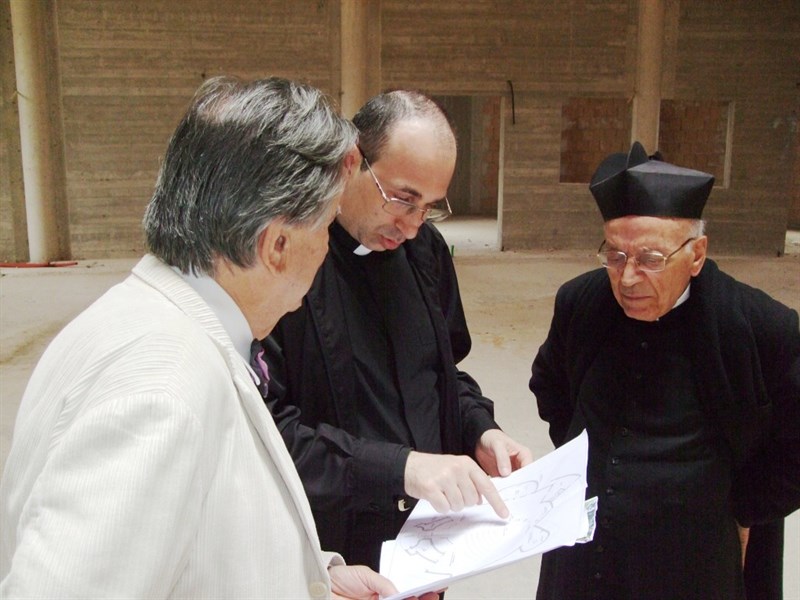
x=546 y=500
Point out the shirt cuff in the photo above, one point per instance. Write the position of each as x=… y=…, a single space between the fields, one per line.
x=332 y=559
x=379 y=473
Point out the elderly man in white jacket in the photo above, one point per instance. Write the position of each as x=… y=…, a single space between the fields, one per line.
x=144 y=463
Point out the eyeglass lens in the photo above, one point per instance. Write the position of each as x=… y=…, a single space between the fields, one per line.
x=648 y=260
x=401 y=208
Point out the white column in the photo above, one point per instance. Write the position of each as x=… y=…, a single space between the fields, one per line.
x=38 y=162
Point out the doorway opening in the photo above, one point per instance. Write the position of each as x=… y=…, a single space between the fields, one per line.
x=474 y=190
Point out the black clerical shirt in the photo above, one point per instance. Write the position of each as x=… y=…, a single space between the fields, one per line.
x=394 y=346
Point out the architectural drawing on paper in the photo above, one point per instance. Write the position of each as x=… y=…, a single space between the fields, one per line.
x=451 y=544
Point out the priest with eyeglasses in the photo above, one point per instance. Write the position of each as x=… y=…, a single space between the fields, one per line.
x=688 y=383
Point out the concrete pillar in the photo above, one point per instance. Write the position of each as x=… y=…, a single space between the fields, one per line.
x=14 y=229
x=361 y=53
x=649 y=67
x=40 y=130
x=501 y=162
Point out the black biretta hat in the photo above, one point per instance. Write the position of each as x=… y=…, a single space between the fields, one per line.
x=638 y=185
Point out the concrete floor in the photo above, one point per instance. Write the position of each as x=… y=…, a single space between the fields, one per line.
x=508 y=300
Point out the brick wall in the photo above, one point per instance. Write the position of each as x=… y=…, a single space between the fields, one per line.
x=128 y=69
x=550 y=52
x=695 y=134
x=716 y=54
x=486 y=156
x=747 y=54
x=591 y=129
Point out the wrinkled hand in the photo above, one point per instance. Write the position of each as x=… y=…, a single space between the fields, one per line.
x=450 y=482
x=362 y=583
x=499 y=455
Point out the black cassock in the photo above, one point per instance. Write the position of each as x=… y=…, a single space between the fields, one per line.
x=686 y=417
x=364 y=372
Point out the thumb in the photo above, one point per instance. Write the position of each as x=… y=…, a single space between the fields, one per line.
x=502 y=458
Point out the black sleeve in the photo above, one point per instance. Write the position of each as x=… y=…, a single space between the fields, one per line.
x=338 y=470
x=549 y=376
x=768 y=486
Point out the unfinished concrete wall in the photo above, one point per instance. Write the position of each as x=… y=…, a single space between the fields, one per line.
x=748 y=55
x=128 y=69
x=548 y=53
x=794 y=186
x=13 y=224
x=735 y=54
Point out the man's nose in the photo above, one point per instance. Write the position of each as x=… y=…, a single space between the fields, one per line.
x=630 y=272
x=409 y=225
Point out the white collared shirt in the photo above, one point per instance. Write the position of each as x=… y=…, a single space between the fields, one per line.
x=683 y=297
x=227 y=311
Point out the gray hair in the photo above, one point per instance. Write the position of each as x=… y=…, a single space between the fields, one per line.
x=244 y=155
x=381 y=113
x=697 y=227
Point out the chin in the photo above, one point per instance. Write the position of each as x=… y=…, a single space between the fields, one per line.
x=641 y=315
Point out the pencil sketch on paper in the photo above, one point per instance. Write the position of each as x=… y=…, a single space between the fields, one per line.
x=450 y=543
x=548 y=508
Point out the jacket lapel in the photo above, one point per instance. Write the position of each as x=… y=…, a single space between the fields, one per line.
x=328 y=320
x=160 y=276
x=257 y=413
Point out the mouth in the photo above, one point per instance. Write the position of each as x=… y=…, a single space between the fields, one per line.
x=632 y=296
x=633 y=299
x=391 y=244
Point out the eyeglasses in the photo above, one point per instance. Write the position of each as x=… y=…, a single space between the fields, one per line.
x=437 y=211
x=646 y=260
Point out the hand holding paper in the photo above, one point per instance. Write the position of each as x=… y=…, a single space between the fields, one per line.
x=546 y=500
x=450 y=483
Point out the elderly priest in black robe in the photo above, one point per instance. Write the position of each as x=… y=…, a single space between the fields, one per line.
x=688 y=383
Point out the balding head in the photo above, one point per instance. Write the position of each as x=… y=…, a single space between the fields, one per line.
x=380 y=117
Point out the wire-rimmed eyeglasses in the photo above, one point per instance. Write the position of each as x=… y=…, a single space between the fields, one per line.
x=437 y=211
x=646 y=260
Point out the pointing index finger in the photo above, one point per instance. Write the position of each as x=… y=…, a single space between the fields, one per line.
x=488 y=491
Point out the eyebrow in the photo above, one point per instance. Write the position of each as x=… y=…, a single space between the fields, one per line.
x=412 y=192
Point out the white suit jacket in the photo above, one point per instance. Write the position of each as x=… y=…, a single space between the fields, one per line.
x=145 y=464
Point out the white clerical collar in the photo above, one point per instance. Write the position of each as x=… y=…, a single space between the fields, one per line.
x=681 y=299
x=362 y=250
x=226 y=310
x=684 y=296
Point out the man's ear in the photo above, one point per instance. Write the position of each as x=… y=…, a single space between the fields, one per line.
x=273 y=247
x=352 y=160
x=699 y=247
